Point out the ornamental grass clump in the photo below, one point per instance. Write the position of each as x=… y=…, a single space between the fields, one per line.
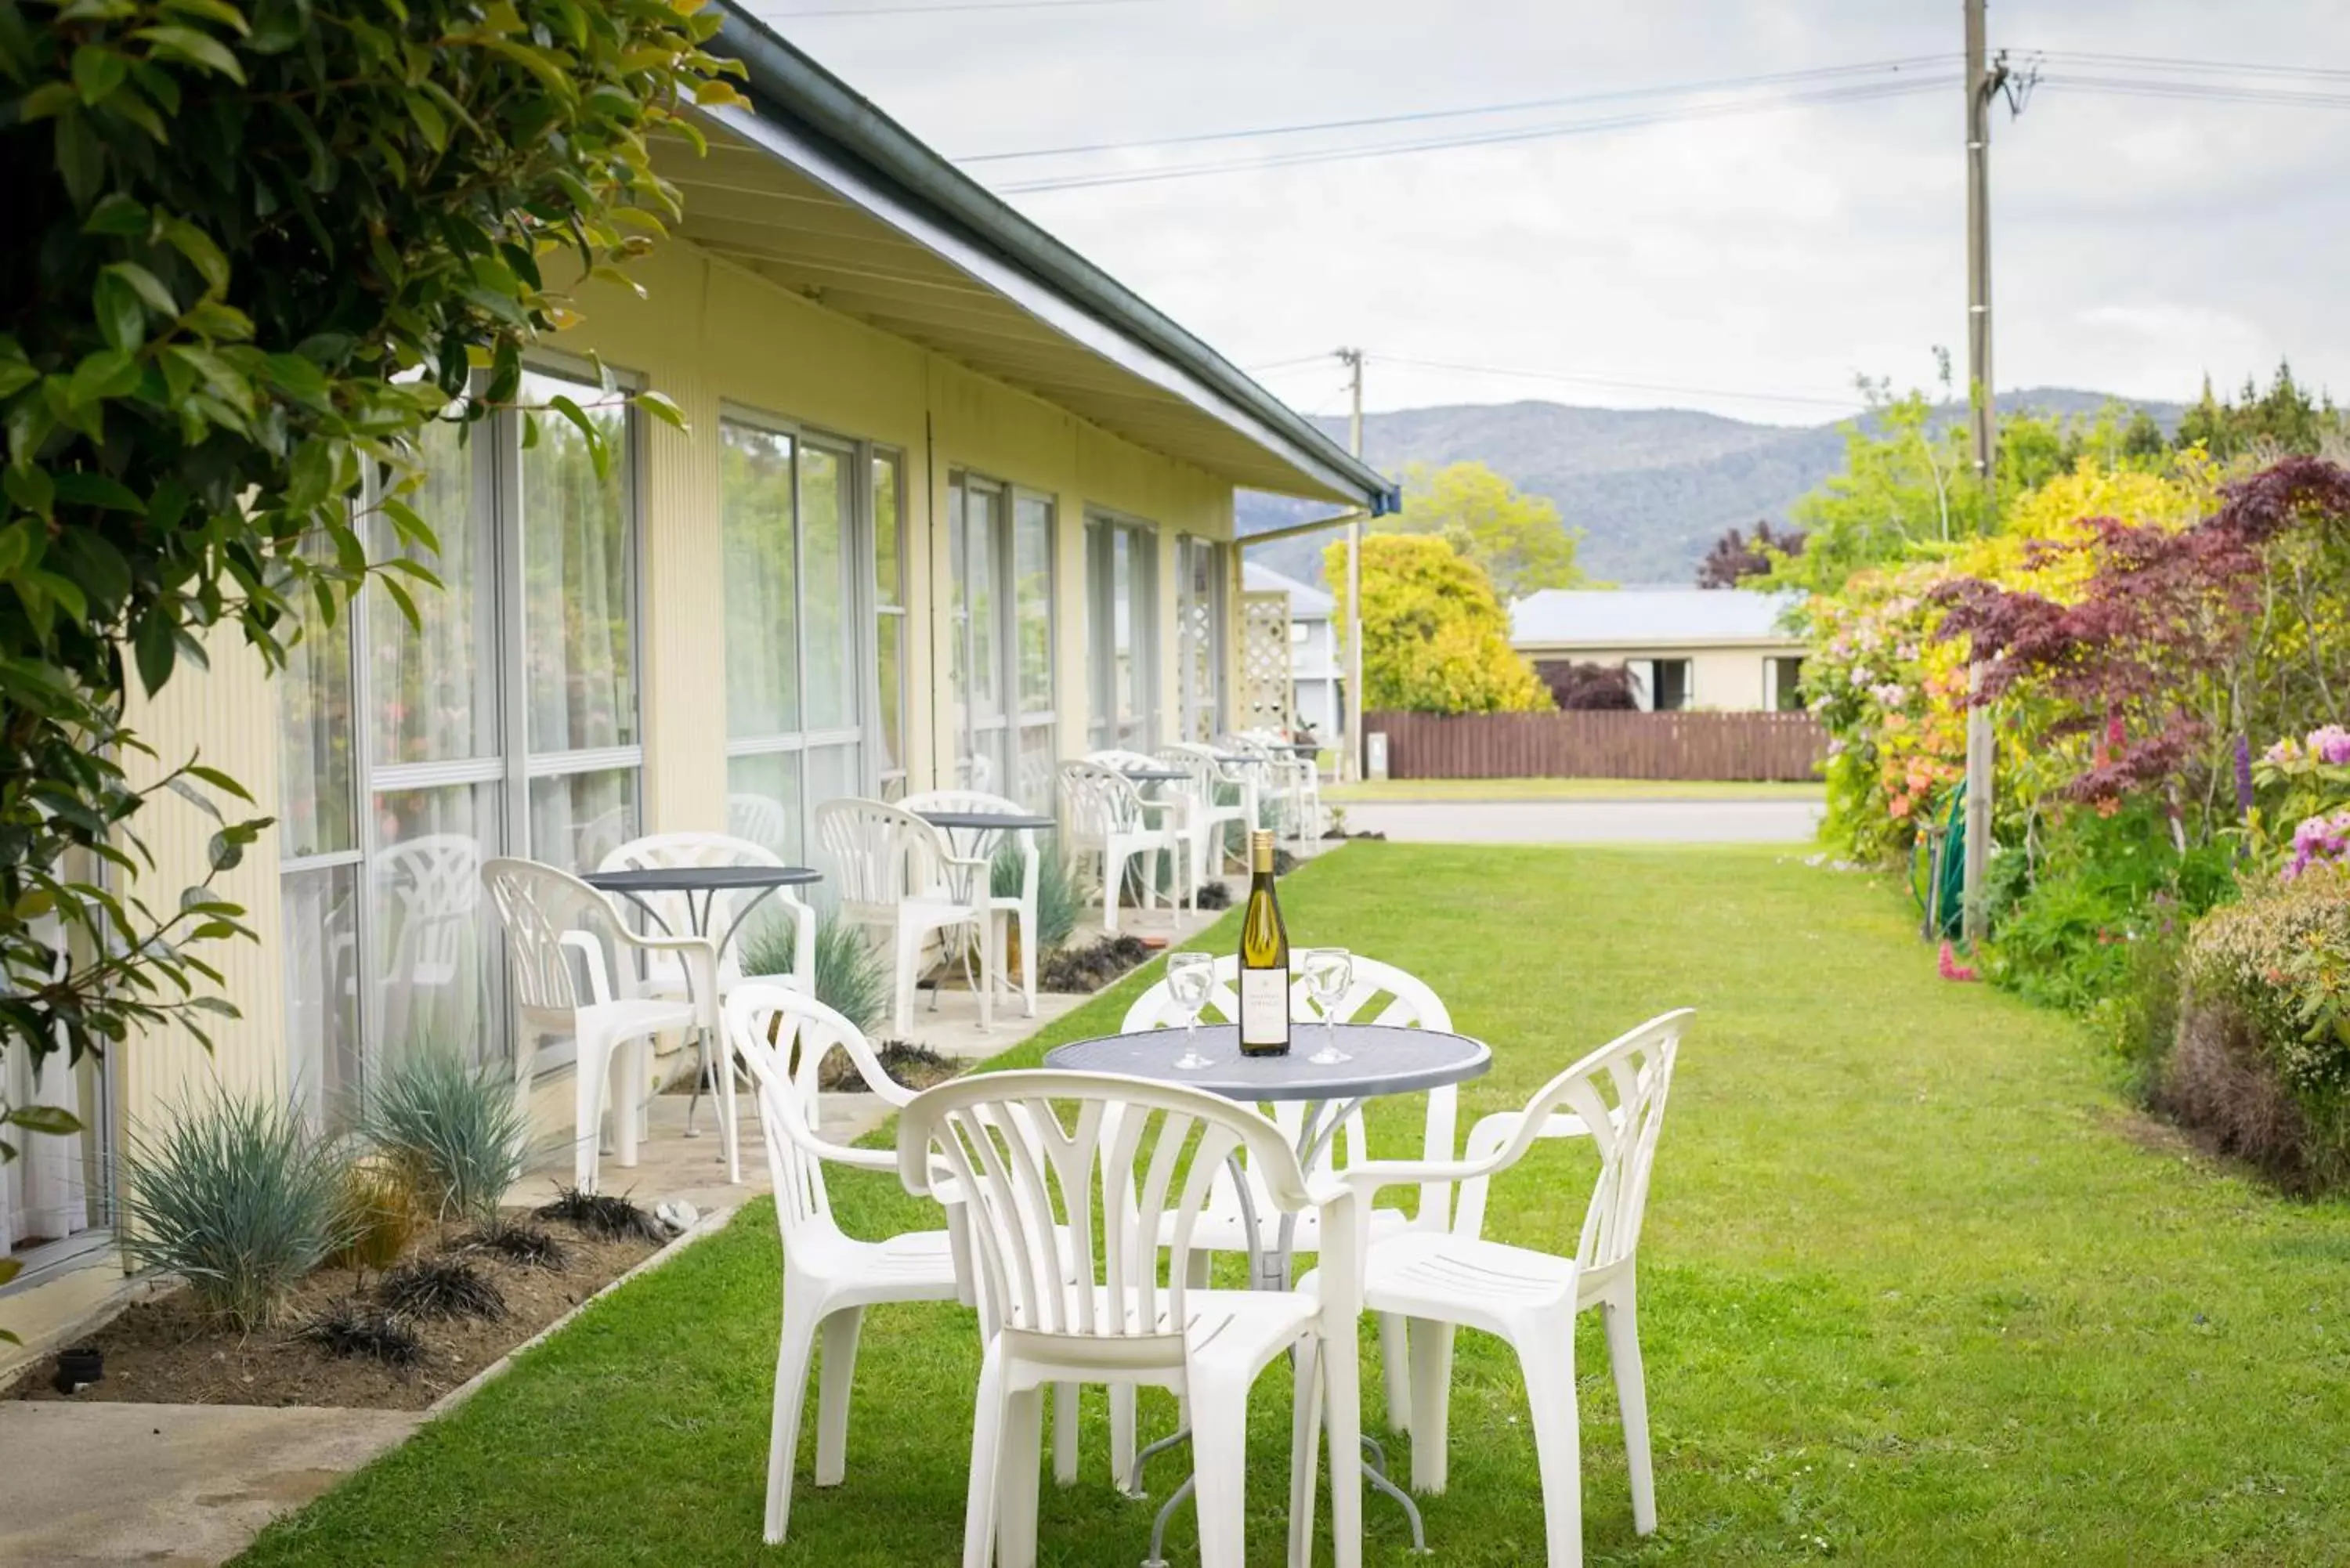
x=240 y=1199
x=439 y=1287
x=453 y=1131
x=851 y=977
x=2261 y=1063
x=1060 y=900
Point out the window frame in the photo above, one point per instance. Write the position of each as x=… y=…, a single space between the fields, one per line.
x=1102 y=723
x=859 y=544
x=493 y=454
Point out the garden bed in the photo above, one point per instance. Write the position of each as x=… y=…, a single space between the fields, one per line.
x=165 y=1350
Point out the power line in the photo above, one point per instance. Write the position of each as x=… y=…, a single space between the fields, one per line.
x=1574 y=127
x=2198 y=68
x=1724 y=84
x=1568 y=377
x=2195 y=92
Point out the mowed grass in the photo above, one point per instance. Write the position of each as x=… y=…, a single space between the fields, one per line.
x=1917 y=1289
x=1387 y=791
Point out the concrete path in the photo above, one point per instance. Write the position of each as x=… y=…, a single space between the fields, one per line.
x=180 y=1485
x=1590 y=821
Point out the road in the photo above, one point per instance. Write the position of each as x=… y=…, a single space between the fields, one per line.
x=1590 y=821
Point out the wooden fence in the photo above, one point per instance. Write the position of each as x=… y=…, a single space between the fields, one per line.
x=1601 y=745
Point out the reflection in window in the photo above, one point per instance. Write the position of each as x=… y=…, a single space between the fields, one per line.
x=578 y=555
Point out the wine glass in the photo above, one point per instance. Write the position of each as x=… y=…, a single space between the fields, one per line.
x=1328 y=972
x=1190 y=977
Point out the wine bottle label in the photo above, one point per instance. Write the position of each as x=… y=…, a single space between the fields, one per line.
x=1264 y=1007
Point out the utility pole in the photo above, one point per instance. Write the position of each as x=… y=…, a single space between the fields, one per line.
x=1350 y=764
x=1981 y=84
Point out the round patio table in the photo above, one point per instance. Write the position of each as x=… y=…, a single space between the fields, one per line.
x=1152 y=775
x=1382 y=1059
x=706 y=882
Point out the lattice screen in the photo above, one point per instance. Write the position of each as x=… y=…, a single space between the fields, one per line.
x=1267 y=690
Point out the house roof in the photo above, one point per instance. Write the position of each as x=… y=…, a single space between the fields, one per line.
x=817 y=189
x=1306 y=601
x=1648 y=617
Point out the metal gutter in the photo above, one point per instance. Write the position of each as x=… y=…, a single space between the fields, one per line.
x=787 y=83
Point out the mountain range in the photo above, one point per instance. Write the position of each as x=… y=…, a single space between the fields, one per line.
x=1651 y=488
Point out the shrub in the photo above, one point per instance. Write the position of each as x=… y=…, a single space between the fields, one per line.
x=603 y=1214
x=439 y=1287
x=376 y=1210
x=239 y=1198
x=850 y=978
x=517 y=1243
x=1059 y=901
x=453 y=1131
x=2262 y=1057
x=351 y=1328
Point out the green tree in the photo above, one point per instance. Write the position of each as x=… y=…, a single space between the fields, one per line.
x=1435 y=639
x=255 y=251
x=2283 y=421
x=1518 y=539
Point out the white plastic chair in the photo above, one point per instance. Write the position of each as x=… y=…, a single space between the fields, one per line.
x=1206 y=811
x=892 y=871
x=551 y=917
x=1379 y=994
x=431 y=886
x=829 y=1279
x=1616 y=1097
x=1299 y=778
x=1105 y=818
x=760 y=818
x=1041 y=1159
x=1021 y=906
x=658 y=973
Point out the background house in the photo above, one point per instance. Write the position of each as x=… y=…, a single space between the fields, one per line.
x=954 y=504
x=1686 y=648
x=1316 y=672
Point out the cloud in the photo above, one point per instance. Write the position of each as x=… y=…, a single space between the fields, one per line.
x=2137 y=243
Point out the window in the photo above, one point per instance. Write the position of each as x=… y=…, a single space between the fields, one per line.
x=1200 y=636
x=1122 y=626
x=1666 y=687
x=506 y=719
x=1000 y=658
x=1783 y=680
x=795 y=735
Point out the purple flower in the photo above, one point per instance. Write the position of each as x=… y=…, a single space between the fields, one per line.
x=2330 y=744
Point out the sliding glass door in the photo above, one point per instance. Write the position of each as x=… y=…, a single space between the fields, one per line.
x=1200 y=592
x=798 y=660
x=1000 y=651
x=504 y=718
x=1122 y=633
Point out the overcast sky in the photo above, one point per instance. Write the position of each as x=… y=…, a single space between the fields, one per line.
x=1751 y=263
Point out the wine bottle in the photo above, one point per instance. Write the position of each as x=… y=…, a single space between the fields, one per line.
x=1264 y=959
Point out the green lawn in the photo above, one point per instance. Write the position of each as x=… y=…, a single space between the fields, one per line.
x=1918 y=1289
x=1389 y=790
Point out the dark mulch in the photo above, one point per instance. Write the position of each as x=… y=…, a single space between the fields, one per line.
x=916 y=1066
x=1330 y=833
x=337 y=1344
x=1082 y=971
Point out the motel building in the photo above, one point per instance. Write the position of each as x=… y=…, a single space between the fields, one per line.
x=954 y=506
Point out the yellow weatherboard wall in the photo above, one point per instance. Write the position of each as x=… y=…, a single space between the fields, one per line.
x=710 y=335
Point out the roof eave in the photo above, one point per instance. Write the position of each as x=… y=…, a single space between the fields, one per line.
x=809 y=117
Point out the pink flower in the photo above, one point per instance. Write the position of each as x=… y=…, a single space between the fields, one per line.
x=1950 y=968
x=2330 y=744
x=2287 y=750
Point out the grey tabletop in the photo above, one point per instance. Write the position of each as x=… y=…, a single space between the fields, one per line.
x=700 y=879
x=1154 y=776
x=982 y=821
x=1383 y=1060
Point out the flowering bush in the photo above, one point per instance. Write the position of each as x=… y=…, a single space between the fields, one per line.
x=2263 y=1053
x=2304 y=782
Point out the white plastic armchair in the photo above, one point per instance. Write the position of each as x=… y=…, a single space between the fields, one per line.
x=969 y=847
x=1299 y=777
x=658 y=973
x=1105 y=818
x=829 y=1279
x=1379 y=994
x=1044 y=1161
x=431 y=888
x=1616 y=1097
x=553 y=921
x=894 y=872
x=1207 y=811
